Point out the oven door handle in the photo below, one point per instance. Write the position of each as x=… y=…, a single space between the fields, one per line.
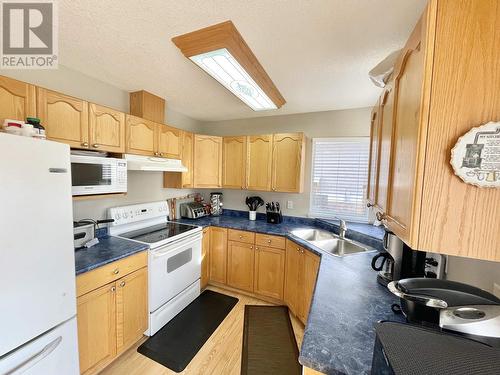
x=160 y=254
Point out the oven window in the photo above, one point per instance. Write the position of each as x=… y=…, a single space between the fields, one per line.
x=179 y=260
x=83 y=174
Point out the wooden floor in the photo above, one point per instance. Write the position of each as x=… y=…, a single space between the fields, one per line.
x=220 y=355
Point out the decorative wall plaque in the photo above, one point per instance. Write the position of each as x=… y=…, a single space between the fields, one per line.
x=476 y=156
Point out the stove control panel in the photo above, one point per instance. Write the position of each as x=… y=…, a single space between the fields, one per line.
x=138 y=212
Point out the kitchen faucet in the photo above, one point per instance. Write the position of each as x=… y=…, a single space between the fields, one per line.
x=342 y=227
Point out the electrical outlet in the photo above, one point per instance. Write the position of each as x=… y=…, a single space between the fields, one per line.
x=289 y=205
x=496 y=289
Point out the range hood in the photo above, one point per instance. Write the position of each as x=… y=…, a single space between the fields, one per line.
x=149 y=163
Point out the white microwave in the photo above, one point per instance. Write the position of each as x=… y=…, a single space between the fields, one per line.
x=98 y=175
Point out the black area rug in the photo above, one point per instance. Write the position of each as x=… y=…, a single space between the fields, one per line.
x=269 y=345
x=175 y=345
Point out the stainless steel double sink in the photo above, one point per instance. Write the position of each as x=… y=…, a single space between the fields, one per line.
x=329 y=242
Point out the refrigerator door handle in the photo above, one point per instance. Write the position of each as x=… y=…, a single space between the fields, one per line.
x=49 y=348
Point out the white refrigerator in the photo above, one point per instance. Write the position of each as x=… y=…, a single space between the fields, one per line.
x=38 y=334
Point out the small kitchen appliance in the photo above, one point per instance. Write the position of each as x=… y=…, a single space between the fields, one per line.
x=83 y=232
x=98 y=175
x=398 y=261
x=174 y=257
x=216 y=204
x=193 y=210
x=451 y=306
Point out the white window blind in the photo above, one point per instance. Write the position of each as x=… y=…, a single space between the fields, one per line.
x=339 y=178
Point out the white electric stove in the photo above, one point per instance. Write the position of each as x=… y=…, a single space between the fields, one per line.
x=174 y=257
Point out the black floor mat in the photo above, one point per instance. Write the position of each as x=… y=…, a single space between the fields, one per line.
x=175 y=345
x=269 y=345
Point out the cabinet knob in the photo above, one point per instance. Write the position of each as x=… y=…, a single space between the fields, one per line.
x=122 y=284
x=268 y=241
x=251 y=247
x=95 y=145
x=116 y=271
x=241 y=237
x=161 y=153
x=369 y=205
x=302 y=251
x=85 y=144
x=298 y=249
x=381 y=216
x=256 y=248
x=113 y=288
x=157 y=154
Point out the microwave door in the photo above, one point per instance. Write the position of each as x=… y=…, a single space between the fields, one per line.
x=91 y=178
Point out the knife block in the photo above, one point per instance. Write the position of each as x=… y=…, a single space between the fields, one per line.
x=274 y=217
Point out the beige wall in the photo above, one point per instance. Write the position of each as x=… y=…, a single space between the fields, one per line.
x=142 y=186
x=345 y=123
x=480 y=273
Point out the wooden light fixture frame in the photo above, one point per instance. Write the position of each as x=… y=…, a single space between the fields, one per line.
x=225 y=35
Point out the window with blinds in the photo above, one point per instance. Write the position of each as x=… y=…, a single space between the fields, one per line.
x=339 y=178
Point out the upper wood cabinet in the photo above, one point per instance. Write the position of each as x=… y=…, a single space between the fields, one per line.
x=141 y=136
x=169 y=141
x=374 y=156
x=288 y=162
x=65 y=118
x=17 y=99
x=178 y=180
x=106 y=129
x=439 y=92
x=146 y=105
x=218 y=255
x=259 y=165
x=234 y=162
x=207 y=161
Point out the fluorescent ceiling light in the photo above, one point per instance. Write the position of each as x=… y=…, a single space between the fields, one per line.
x=221 y=65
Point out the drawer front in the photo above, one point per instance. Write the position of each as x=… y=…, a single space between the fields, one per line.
x=241 y=236
x=91 y=280
x=277 y=242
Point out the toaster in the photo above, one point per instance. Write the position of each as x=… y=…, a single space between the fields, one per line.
x=193 y=210
x=82 y=233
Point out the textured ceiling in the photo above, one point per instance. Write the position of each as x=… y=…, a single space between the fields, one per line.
x=317 y=52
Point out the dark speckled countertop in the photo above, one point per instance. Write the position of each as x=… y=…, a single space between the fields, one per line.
x=347 y=302
x=109 y=249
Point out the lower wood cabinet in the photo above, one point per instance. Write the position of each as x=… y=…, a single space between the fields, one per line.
x=300 y=278
x=218 y=254
x=269 y=273
x=96 y=315
x=205 y=258
x=240 y=265
x=113 y=316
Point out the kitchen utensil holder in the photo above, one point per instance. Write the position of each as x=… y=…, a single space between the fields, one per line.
x=274 y=217
x=252 y=215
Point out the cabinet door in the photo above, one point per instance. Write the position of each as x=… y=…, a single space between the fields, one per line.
x=207 y=161
x=65 y=118
x=234 y=160
x=408 y=84
x=169 y=141
x=240 y=265
x=96 y=317
x=131 y=308
x=310 y=266
x=218 y=254
x=259 y=166
x=292 y=273
x=205 y=256
x=141 y=136
x=107 y=129
x=288 y=162
x=269 y=272
x=374 y=156
x=386 y=120
x=17 y=100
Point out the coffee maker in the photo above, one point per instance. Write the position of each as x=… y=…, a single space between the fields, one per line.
x=398 y=261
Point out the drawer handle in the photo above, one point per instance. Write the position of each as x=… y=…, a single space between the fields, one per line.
x=116 y=271
x=122 y=284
